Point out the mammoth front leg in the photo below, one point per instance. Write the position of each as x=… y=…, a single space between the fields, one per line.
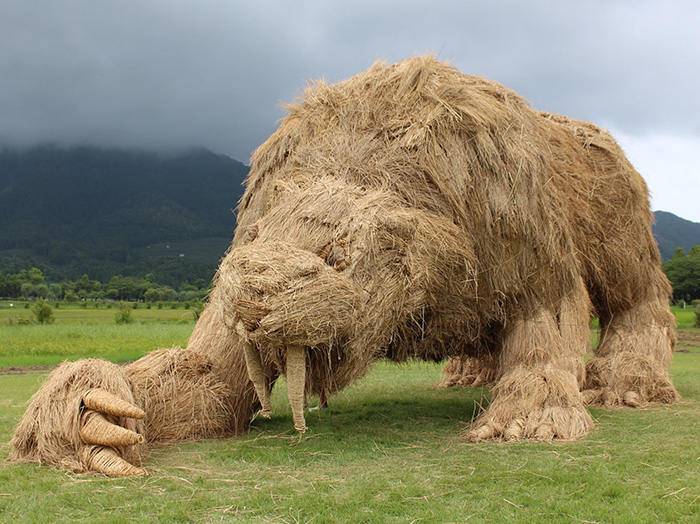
x=540 y=370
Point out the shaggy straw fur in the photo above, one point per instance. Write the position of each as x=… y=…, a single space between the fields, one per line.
x=412 y=211
x=181 y=397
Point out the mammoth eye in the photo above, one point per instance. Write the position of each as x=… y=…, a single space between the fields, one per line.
x=335 y=254
x=251 y=232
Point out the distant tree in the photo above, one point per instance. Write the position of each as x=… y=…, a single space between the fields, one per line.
x=167 y=293
x=151 y=295
x=84 y=287
x=11 y=286
x=678 y=253
x=70 y=296
x=27 y=290
x=123 y=314
x=34 y=276
x=56 y=290
x=200 y=283
x=43 y=312
x=125 y=288
x=41 y=290
x=684 y=273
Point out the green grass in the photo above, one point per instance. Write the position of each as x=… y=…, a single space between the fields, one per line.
x=387 y=450
x=46 y=345
x=81 y=333
x=90 y=315
x=685 y=318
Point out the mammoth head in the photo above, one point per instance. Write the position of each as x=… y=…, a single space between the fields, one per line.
x=280 y=295
x=329 y=263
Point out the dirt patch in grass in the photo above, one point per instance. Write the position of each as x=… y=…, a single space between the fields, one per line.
x=688 y=339
x=21 y=370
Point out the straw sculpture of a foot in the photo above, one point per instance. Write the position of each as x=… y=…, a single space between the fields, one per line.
x=537 y=404
x=409 y=212
x=84 y=418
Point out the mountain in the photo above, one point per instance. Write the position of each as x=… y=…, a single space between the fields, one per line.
x=672 y=232
x=108 y=211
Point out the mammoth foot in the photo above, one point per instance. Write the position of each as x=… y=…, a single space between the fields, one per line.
x=84 y=419
x=468 y=371
x=533 y=404
x=627 y=379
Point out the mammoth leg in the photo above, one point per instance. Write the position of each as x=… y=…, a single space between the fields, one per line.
x=469 y=371
x=540 y=367
x=296 y=384
x=631 y=360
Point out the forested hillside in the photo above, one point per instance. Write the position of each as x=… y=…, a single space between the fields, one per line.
x=672 y=232
x=105 y=211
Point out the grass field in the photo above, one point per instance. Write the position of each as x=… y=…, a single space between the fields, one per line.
x=387 y=450
x=86 y=332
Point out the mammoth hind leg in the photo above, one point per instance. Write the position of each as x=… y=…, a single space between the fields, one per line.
x=631 y=360
x=468 y=371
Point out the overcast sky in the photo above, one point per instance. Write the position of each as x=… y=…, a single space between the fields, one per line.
x=171 y=73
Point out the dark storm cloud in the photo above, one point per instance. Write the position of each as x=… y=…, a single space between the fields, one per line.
x=175 y=73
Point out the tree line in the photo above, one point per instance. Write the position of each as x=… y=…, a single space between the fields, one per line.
x=32 y=284
x=683 y=270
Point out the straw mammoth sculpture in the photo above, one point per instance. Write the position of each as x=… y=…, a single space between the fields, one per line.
x=408 y=212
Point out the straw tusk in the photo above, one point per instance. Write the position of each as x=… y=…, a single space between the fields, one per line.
x=108 y=462
x=296 y=384
x=96 y=429
x=257 y=377
x=106 y=402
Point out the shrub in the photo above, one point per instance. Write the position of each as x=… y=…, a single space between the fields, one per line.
x=197 y=310
x=697 y=318
x=43 y=312
x=123 y=314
